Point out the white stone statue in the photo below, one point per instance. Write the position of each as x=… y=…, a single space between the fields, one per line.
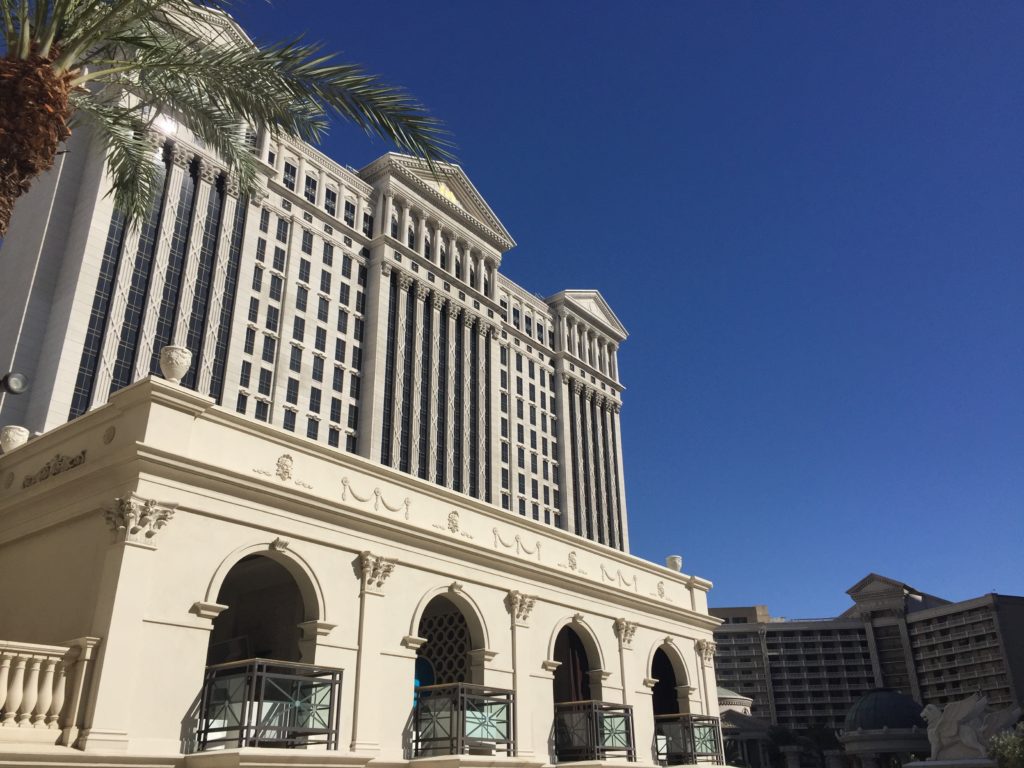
x=961 y=729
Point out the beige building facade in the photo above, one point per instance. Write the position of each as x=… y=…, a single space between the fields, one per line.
x=806 y=674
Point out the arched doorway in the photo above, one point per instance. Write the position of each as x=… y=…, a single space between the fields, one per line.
x=261 y=688
x=572 y=677
x=667 y=698
x=679 y=737
x=453 y=712
x=264 y=610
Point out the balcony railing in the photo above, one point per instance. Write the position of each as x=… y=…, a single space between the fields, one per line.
x=264 y=703
x=593 y=730
x=687 y=739
x=461 y=718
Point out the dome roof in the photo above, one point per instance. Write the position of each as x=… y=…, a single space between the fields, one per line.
x=883 y=708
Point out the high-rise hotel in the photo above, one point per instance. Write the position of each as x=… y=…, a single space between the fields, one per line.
x=361 y=309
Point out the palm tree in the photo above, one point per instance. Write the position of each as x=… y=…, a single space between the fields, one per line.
x=118 y=65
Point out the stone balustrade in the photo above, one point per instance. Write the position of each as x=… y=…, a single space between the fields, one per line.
x=41 y=688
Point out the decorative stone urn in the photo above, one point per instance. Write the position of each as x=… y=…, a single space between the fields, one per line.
x=175 y=362
x=12 y=436
x=674 y=562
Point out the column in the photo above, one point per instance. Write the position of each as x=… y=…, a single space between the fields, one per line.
x=577 y=459
x=468 y=321
x=417 y=382
x=404 y=283
x=566 y=477
x=436 y=304
x=449 y=443
x=360 y=210
x=421 y=232
x=613 y=366
x=615 y=535
x=403 y=223
x=591 y=481
x=483 y=330
x=435 y=252
x=375 y=352
x=178 y=167
x=494 y=350
x=190 y=269
x=620 y=491
x=601 y=461
x=220 y=272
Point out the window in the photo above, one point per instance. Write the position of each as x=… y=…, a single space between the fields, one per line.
x=295 y=361
x=354 y=387
x=266 y=375
x=353 y=416
x=261 y=250
x=519 y=362
x=269 y=347
x=299 y=329
x=242 y=402
x=325 y=281
x=257 y=278
x=521 y=458
x=331 y=201
x=289 y=420
x=346 y=266
x=304 y=267
x=290 y=172
x=361 y=276
x=318 y=368
x=350 y=213
x=504 y=452
x=314 y=399
x=335 y=409
x=504 y=478
x=515 y=317
x=273 y=316
x=357 y=331
x=310 y=190
x=246 y=375
x=394 y=227
x=254 y=309
x=321 y=339
x=264 y=220
x=339 y=350
x=292 y=393
x=312 y=428
x=262 y=411
x=276 y=286
x=504 y=403
x=333 y=436
x=307 y=241
x=426 y=247
x=279 y=258
x=444 y=258
x=282 y=230
x=339 y=375
x=344 y=293
x=357 y=358
x=360 y=302
x=368 y=225
x=301 y=298
x=323 y=310
x=250 y=340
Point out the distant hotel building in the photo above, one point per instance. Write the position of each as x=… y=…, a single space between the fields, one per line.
x=807 y=673
x=363 y=310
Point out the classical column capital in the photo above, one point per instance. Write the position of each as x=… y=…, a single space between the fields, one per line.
x=206 y=171
x=137 y=521
x=374 y=570
x=437 y=300
x=519 y=605
x=231 y=186
x=422 y=291
x=405 y=281
x=453 y=309
x=180 y=156
x=624 y=631
x=385 y=268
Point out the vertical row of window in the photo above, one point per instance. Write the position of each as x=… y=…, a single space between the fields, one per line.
x=535 y=468
x=200 y=298
x=311 y=310
x=529 y=321
x=227 y=307
x=290 y=178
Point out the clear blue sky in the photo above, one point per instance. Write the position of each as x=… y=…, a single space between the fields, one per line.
x=810 y=217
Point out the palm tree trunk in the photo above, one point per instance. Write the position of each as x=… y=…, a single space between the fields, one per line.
x=34 y=115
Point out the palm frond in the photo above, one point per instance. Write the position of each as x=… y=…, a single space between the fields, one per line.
x=132 y=158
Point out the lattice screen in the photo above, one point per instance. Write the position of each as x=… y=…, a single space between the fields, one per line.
x=447 y=645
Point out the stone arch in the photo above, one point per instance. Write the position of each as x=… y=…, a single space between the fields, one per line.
x=314 y=605
x=586 y=635
x=470 y=609
x=683 y=679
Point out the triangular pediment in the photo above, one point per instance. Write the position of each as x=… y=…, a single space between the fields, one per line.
x=448 y=185
x=874 y=585
x=592 y=303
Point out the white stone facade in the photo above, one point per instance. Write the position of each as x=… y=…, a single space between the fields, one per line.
x=363 y=310
x=123 y=529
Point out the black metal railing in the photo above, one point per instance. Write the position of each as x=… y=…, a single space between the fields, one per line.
x=593 y=730
x=265 y=703
x=460 y=718
x=687 y=739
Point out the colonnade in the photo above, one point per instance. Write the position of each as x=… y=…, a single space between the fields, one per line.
x=587 y=345
x=439 y=372
x=455 y=255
